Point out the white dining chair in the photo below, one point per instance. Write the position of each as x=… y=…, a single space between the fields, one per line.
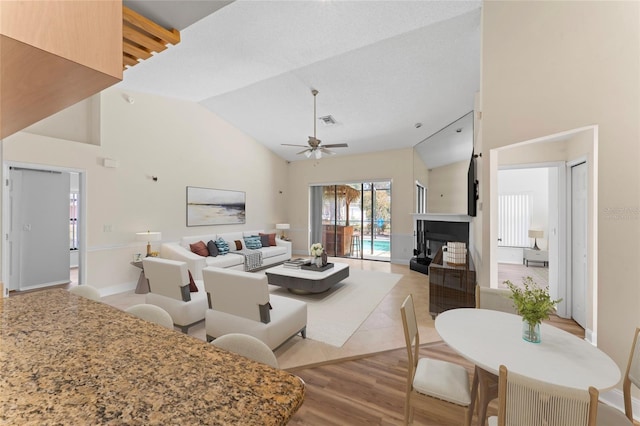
x=526 y=401
x=151 y=313
x=611 y=416
x=247 y=346
x=86 y=291
x=435 y=383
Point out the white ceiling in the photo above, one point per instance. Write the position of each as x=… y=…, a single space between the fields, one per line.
x=380 y=67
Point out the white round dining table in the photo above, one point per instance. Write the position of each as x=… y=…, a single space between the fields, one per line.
x=490 y=338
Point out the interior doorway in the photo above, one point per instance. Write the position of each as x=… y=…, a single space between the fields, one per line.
x=570 y=147
x=43 y=214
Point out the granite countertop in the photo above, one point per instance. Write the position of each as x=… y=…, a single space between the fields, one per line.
x=65 y=359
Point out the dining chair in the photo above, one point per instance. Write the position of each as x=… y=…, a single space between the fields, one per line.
x=151 y=313
x=86 y=291
x=435 y=383
x=525 y=401
x=495 y=299
x=611 y=416
x=247 y=346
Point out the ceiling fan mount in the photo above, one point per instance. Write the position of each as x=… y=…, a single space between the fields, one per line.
x=314 y=146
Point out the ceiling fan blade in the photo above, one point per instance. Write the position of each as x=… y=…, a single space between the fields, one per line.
x=326 y=151
x=304 y=151
x=290 y=144
x=337 y=145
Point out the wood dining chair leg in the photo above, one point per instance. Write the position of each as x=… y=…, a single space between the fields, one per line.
x=488 y=390
x=474 y=396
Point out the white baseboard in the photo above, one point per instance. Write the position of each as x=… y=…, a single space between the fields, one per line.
x=615 y=398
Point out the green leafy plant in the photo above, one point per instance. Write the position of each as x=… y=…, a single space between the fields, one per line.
x=532 y=302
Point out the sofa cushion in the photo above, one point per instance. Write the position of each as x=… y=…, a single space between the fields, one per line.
x=199 y=248
x=264 y=240
x=253 y=242
x=213 y=248
x=273 y=251
x=239 y=245
x=223 y=246
x=272 y=239
x=227 y=261
x=185 y=241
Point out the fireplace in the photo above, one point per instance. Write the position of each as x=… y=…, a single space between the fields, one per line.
x=432 y=231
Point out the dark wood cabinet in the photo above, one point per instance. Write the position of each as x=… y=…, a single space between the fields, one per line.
x=451 y=286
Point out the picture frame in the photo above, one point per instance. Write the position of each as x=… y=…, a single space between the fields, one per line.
x=208 y=206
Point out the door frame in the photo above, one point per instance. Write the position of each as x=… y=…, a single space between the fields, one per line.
x=591 y=135
x=6 y=215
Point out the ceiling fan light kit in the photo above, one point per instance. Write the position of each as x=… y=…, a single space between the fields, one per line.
x=314 y=146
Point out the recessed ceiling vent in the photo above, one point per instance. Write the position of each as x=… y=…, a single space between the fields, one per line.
x=327 y=120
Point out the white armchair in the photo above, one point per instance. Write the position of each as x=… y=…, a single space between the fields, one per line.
x=239 y=302
x=169 y=289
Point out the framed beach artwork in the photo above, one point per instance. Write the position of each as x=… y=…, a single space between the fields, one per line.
x=207 y=206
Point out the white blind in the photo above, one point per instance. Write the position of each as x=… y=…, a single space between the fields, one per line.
x=514 y=218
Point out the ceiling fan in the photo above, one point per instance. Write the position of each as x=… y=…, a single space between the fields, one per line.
x=314 y=147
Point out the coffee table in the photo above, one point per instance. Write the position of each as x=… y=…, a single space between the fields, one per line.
x=303 y=281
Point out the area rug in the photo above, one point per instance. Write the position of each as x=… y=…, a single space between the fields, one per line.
x=333 y=316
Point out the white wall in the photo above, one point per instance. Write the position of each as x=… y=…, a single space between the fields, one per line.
x=181 y=143
x=531 y=181
x=581 y=70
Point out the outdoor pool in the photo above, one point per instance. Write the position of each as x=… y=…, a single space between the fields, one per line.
x=378 y=245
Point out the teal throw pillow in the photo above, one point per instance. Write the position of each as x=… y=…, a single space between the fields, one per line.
x=223 y=247
x=253 y=242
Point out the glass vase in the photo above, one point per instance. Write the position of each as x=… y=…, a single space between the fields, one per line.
x=530 y=332
x=318 y=261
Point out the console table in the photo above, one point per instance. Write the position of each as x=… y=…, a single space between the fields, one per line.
x=451 y=286
x=531 y=255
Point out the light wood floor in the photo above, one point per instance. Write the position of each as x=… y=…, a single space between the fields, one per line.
x=370 y=390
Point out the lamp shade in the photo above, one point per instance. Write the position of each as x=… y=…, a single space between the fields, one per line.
x=282 y=226
x=148 y=236
x=536 y=233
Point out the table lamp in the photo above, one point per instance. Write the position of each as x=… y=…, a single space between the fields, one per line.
x=535 y=234
x=282 y=227
x=148 y=237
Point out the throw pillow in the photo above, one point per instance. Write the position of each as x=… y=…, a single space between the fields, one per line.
x=223 y=247
x=199 y=248
x=238 y=244
x=272 y=239
x=193 y=288
x=264 y=240
x=213 y=248
x=253 y=242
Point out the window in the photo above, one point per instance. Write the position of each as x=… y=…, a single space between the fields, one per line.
x=514 y=218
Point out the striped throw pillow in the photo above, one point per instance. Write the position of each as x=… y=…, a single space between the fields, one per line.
x=253 y=242
x=223 y=247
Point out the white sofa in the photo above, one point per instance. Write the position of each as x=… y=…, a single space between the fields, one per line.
x=239 y=302
x=181 y=251
x=167 y=282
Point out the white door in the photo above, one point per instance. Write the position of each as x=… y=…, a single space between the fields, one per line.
x=39 y=228
x=579 y=243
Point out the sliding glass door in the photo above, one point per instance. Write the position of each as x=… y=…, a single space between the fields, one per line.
x=352 y=219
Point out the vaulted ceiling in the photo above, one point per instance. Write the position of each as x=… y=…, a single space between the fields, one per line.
x=380 y=67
